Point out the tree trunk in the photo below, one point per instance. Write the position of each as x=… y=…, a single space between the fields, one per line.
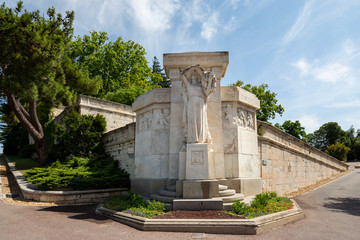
x=41 y=152
x=30 y=121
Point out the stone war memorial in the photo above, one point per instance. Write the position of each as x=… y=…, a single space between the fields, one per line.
x=197 y=139
x=198 y=145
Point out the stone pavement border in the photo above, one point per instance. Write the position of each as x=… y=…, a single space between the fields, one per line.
x=63 y=197
x=219 y=226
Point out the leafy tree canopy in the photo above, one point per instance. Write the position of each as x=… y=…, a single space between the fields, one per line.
x=293 y=128
x=338 y=150
x=34 y=68
x=328 y=134
x=268 y=102
x=120 y=64
x=156 y=68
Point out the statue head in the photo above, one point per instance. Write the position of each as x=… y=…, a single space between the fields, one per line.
x=195 y=78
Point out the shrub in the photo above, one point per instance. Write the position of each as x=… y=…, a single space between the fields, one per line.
x=135 y=205
x=264 y=203
x=80 y=173
x=338 y=151
x=79 y=135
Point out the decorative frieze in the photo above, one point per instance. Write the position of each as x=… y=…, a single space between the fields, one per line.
x=236 y=115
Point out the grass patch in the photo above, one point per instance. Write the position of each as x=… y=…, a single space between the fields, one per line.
x=263 y=204
x=23 y=164
x=135 y=205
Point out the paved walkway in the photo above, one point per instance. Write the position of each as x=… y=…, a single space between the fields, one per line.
x=333 y=212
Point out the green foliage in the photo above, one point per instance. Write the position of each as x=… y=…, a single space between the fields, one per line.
x=120 y=64
x=32 y=55
x=328 y=134
x=338 y=150
x=135 y=205
x=34 y=68
x=125 y=95
x=156 y=68
x=293 y=128
x=264 y=203
x=78 y=173
x=14 y=138
x=352 y=140
x=22 y=163
x=79 y=135
x=268 y=102
x=120 y=203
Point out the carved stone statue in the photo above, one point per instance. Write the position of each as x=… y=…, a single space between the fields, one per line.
x=198 y=85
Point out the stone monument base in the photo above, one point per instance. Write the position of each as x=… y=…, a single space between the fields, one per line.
x=197 y=189
x=246 y=186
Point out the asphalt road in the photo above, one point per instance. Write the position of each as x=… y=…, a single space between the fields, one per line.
x=332 y=212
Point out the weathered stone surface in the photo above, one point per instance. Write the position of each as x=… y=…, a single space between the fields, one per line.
x=291 y=164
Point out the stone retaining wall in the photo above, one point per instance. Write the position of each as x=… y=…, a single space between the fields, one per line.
x=120 y=144
x=117 y=115
x=62 y=197
x=289 y=164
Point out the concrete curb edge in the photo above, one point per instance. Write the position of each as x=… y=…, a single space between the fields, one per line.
x=217 y=226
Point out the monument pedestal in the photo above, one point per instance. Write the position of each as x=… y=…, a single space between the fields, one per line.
x=246 y=186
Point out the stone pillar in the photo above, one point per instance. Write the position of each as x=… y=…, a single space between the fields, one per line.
x=180 y=161
x=215 y=62
x=242 y=166
x=152 y=136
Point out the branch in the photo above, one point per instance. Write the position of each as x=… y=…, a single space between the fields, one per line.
x=34 y=117
x=26 y=114
x=16 y=107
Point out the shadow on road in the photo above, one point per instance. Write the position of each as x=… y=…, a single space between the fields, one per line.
x=347 y=205
x=78 y=212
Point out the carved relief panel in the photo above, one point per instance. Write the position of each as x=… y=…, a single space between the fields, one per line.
x=234 y=114
x=154 y=119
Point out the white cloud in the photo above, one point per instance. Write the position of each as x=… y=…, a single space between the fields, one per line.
x=328 y=73
x=349 y=46
x=153 y=16
x=310 y=122
x=332 y=73
x=200 y=12
x=209 y=27
x=300 y=23
x=302 y=65
x=231 y=24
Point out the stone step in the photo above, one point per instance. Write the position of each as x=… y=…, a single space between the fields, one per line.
x=228 y=192
x=222 y=187
x=227 y=206
x=233 y=198
x=164 y=199
x=171 y=188
x=164 y=192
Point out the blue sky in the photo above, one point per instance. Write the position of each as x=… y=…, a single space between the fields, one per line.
x=308 y=52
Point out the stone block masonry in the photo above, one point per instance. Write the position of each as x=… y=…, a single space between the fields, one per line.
x=117 y=115
x=289 y=164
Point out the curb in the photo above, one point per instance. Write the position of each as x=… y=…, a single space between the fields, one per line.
x=218 y=226
x=30 y=192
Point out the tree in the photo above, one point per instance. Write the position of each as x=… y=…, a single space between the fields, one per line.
x=268 y=102
x=120 y=64
x=352 y=140
x=34 y=68
x=293 y=128
x=338 y=150
x=328 y=134
x=156 y=68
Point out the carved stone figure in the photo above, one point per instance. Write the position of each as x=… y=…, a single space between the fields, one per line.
x=250 y=121
x=198 y=85
x=240 y=118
